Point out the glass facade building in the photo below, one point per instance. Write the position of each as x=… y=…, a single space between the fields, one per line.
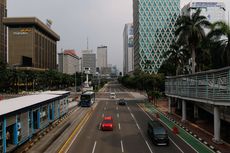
x=154 y=26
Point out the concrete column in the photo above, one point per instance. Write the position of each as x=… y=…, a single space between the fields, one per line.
x=216 y=124
x=196 y=113
x=169 y=105
x=183 y=111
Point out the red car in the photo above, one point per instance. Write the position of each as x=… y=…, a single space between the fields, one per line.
x=108 y=118
x=107 y=124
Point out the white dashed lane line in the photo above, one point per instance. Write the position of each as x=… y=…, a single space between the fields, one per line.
x=94 y=146
x=122 y=148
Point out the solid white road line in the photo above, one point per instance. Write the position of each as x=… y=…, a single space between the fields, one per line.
x=94 y=146
x=119 y=126
x=128 y=108
x=117 y=115
x=122 y=148
x=75 y=138
x=163 y=123
x=176 y=145
x=145 y=113
x=148 y=146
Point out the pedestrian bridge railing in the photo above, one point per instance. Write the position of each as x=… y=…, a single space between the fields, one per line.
x=210 y=86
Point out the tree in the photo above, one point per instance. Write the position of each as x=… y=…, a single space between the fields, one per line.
x=191 y=32
x=220 y=38
x=177 y=55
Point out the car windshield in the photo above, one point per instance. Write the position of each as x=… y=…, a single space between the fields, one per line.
x=106 y=121
x=160 y=130
x=108 y=118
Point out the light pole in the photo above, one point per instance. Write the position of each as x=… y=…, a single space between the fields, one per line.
x=75 y=78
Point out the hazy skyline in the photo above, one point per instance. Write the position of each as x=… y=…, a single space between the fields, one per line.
x=102 y=21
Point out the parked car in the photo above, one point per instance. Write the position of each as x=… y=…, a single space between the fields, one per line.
x=157 y=133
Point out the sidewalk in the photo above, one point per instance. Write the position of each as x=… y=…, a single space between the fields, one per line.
x=199 y=130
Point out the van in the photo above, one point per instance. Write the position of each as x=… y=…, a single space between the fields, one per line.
x=157 y=133
x=112 y=95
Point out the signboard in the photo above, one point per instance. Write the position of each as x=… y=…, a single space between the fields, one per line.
x=24 y=31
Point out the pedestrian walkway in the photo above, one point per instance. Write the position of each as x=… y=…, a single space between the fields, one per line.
x=198 y=133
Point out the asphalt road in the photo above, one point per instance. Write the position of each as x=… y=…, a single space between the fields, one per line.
x=129 y=134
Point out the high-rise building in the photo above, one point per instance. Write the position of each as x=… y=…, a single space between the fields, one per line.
x=102 y=57
x=154 y=26
x=128 y=59
x=214 y=11
x=69 y=62
x=89 y=61
x=31 y=43
x=3 y=34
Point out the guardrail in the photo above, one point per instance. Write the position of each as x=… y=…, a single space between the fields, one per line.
x=211 y=86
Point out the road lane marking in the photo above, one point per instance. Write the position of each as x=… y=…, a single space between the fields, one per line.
x=148 y=146
x=65 y=148
x=166 y=125
x=119 y=126
x=138 y=126
x=94 y=146
x=117 y=115
x=104 y=108
x=145 y=112
x=128 y=108
x=176 y=145
x=122 y=148
x=116 y=108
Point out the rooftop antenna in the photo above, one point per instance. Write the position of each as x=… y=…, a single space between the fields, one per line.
x=87 y=43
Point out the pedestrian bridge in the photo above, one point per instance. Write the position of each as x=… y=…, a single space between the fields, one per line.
x=212 y=87
x=209 y=87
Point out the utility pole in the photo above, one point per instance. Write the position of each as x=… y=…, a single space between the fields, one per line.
x=75 y=78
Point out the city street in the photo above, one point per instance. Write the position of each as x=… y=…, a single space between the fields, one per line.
x=129 y=134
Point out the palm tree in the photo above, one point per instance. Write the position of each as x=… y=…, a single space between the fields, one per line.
x=220 y=36
x=191 y=32
x=177 y=55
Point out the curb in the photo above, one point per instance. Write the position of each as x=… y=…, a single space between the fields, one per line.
x=190 y=132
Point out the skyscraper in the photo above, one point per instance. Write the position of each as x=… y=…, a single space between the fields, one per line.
x=214 y=11
x=89 y=61
x=154 y=26
x=128 y=60
x=102 y=57
x=3 y=34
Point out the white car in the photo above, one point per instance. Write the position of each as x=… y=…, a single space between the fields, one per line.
x=112 y=95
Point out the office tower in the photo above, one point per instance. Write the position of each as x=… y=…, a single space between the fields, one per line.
x=154 y=26
x=214 y=11
x=102 y=57
x=3 y=34
x=128 y=59
x=89 y=61
x=31 y=43
x=69 y=62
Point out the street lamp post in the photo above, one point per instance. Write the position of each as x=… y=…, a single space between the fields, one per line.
x=75 y=78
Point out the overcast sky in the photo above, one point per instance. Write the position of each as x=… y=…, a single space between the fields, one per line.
x=102 y=21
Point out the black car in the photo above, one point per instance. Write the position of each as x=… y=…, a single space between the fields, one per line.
x=157 y=133
x=122 y=102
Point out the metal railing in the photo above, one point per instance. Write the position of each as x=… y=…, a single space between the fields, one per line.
x=213 y=86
